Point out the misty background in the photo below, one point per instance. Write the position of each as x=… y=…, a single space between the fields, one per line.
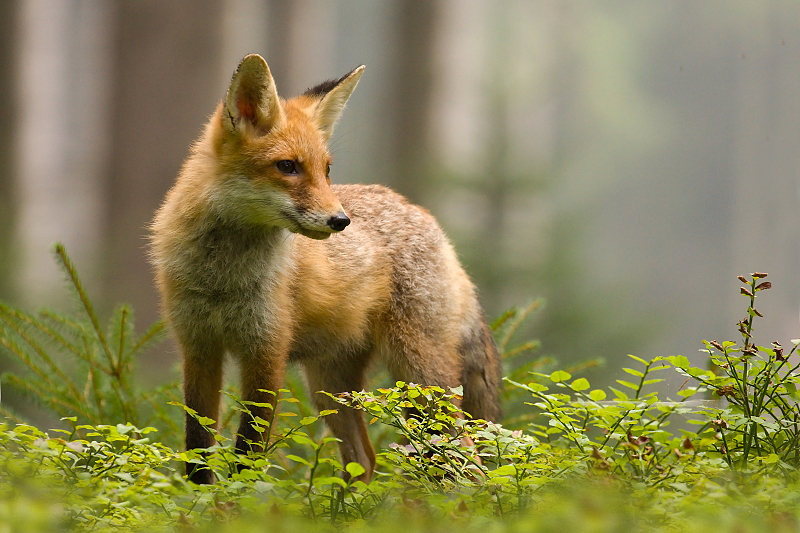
x=625 y=160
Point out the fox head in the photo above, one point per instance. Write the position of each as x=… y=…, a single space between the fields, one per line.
x=274 y=162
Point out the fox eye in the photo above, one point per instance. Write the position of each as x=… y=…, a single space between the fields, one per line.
x=328 y=170
x=287 y=166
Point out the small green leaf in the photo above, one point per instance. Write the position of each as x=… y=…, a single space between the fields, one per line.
x=129 y=478
x=598 y=395
x=205 y=421
x=505 y=470
x=533 y=387
x=619 y=394
x=263 y=405
x=297 y=459
x=263 y=486
x=329 y=480
x=633 y=372
x=302 y=439
x=639 y=359
x=354 y=469
x=559 y=375
x=679 y=361
x=580 y=384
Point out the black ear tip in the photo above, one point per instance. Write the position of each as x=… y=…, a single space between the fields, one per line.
x=327 y=86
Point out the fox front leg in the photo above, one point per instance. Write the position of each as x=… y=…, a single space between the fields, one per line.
x=261 y=379
x=202 y=381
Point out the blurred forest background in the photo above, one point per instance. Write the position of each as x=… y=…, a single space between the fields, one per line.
x=625 y=160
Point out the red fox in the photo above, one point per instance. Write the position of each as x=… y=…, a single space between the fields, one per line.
x=258 y=256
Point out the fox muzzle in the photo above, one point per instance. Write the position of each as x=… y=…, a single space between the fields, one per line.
x=338 y=222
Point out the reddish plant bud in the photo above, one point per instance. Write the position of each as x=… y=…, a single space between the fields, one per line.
x=764 y=286
x=742 y=279
x=746 y=292
x=759 y=274
x=778 y=349
x=727 y=390
x=687 y=444
x=601 y=463
x=719 y=424
x=756 y=312
x=717 y=345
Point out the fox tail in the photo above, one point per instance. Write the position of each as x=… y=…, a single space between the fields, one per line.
x=482 y=372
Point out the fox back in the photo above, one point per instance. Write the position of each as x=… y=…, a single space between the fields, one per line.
x=259 y=257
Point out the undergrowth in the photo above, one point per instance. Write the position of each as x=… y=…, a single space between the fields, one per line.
x=721 y=454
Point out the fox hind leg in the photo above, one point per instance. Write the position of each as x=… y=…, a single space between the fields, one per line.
x=348 y=424
x=474 y=363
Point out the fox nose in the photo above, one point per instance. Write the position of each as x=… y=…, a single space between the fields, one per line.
x=338 y=222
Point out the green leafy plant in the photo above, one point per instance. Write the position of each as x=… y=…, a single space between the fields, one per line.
x=756 y=431
x=759 y=384
x=99 y=388
x=624 y=458
x=521 y=363
x=106 y=478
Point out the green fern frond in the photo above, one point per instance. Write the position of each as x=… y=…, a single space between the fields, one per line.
x=98 y=386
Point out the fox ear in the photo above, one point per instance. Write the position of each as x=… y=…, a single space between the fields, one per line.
x=252 y=99
x=333 y=96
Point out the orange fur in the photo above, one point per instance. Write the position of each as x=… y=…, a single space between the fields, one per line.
x=258 y=257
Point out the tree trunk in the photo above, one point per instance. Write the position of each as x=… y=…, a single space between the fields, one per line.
x=167 y=83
